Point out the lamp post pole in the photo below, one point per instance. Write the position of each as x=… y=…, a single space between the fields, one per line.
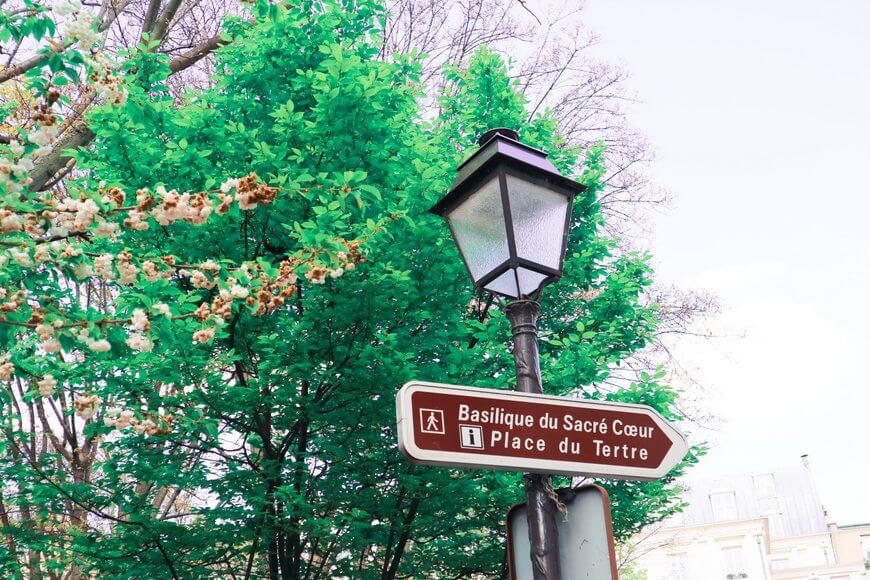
x=509 y=211
x=541 y=507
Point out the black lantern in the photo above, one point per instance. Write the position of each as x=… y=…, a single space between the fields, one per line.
x=509 y=210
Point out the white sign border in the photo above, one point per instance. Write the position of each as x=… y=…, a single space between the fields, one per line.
x=408 y=447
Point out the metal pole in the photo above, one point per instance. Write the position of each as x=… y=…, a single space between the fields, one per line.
x=541 y=509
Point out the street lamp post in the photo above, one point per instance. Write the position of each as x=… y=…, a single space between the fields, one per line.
x=509 y=210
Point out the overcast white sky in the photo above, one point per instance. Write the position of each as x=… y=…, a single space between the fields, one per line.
x=760 y=114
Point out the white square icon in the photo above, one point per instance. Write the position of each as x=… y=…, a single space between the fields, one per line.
x=432 y=421
x=471 y=436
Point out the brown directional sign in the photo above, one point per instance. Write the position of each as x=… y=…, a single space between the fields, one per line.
x=507 y=430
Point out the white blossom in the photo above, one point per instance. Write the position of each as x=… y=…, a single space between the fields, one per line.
x=86 y=211
x=24 y=164
x=10 y=222
x=103 y=266
x=200 y=280
x=138 y=341
x=98 y=345
x=51 y=345
x=152 y=272
x=42 y=254
x=82 y=270
x=127 y=273
x=86 y=405
x=119 y=419
x=43 y=135
x=46 y=385
x=229 y=184
x=211 y=267
x=136 y=221
x=239 y=292
x=139 y=321
x=44 y=330
x=21 y=256
x=82 y=28
x=147 y=427
x=66 y=7
x=112 y=89
x=106 y=229
x=6 y=368
x=246 y=201
x=70 y=251
x=204 y=335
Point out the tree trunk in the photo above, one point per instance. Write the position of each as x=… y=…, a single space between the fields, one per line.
x=403 y=539
x=295 y=542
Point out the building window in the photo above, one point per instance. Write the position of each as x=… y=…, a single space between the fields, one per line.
x=814 y=556
x=724 y=506
x=765 y=488
x=801 y=558
x=677 y=520
x=779 y=564
x=679 y=564
x=865 y=547
x=775 y=524
x=732 y=562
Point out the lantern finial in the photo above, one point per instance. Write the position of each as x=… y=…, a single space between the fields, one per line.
x=503 y=131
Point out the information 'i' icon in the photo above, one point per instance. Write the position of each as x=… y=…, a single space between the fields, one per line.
x=471 y=436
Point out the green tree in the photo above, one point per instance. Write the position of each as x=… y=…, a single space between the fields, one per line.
x=202 y=336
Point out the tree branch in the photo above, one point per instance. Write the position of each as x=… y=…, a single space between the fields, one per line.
x=78 y=134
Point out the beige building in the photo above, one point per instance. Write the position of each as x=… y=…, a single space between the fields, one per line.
x=761 y=526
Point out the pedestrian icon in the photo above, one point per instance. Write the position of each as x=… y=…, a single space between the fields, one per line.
x=432 y=421
x=471 y=436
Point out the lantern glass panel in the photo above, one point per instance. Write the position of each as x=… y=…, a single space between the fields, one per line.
x=506 y=284
x=530 y=281
x=479 y=229
x=538 y=216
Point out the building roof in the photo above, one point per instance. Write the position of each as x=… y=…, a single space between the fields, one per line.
x=793 y=505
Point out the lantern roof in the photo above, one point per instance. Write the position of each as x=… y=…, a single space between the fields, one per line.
x=498 y=146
